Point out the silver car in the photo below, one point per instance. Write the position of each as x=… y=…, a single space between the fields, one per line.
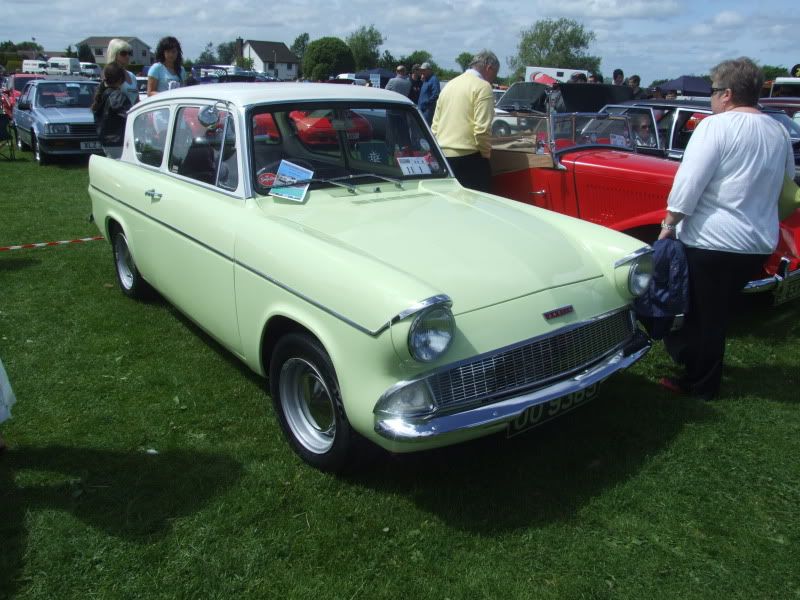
x=54 y=117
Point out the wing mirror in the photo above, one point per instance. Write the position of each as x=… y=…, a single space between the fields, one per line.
x=24 y=105
x=208 y=116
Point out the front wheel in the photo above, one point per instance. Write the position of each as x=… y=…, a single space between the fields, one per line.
x=40 y=156
x=129 y=279
x=306 y=397
x=501 y=129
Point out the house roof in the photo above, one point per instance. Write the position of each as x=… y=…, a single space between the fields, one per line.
x=99 y=40
x=272 y=51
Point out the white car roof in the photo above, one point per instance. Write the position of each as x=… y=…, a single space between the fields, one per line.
x=246 y=94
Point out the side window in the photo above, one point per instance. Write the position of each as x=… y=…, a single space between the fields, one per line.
x=686 y=123
x=150 y=136
x=206 y=154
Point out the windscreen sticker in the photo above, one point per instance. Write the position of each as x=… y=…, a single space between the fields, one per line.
x=414 y=165
x=618 y=140
x=266 y=179
x=289 y=173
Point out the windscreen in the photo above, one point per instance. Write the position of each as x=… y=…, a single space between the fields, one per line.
x=65 y=94
x=339 y=140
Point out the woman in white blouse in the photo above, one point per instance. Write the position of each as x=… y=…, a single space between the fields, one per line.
x=724 y=208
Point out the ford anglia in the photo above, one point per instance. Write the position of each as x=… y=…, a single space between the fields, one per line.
x=382 y=300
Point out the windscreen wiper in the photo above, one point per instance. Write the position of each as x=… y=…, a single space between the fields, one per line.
x=337 y=181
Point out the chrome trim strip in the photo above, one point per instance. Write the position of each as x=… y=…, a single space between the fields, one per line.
x=493 y=417
x=422 y=304
x=633 y=256
x=526 y=342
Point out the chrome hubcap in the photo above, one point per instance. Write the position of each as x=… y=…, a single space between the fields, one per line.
x=124 y=261
x=307 y=405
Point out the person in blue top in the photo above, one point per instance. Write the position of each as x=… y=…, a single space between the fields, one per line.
x=168 y=72
x=429 y=93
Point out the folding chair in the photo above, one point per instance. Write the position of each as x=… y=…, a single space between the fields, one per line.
x=7 y=141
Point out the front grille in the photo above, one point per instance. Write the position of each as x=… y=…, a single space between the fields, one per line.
x=530 y=364
x=83 y=129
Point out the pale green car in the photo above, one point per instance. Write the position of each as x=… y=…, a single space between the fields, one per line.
x=383 y=301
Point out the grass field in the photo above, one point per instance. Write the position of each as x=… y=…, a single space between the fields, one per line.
x=145 y=462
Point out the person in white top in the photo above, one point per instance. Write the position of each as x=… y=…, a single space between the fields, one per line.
x=724 y=208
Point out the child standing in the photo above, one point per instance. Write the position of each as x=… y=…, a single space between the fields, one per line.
x=110 y=108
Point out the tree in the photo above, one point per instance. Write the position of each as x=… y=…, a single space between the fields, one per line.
x=388 y=61
x=364 y=44
x=85 y=53
x=771 y=71
x=300 y=45
x=30 y=46
x=226 y=53
x=417 y=57
x=69 y=52
x=463 y=60
x=555 y=43
x=327 y=56
x=207 y=56
x=245 y=63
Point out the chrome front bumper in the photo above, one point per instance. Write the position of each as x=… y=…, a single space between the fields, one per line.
x=491 y=418
x=784 y=284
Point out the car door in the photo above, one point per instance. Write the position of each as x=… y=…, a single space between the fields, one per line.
x=685 y=123
x=186 y=245
x=23 y=119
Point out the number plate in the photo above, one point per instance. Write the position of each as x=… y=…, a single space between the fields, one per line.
x=90 y=145
x=534 y=416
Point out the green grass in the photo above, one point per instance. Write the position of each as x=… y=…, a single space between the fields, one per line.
x=637 y=495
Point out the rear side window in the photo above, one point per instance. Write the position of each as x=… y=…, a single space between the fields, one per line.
x=150 y=135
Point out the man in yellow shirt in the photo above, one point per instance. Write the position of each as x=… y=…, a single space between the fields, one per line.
x=463 y=121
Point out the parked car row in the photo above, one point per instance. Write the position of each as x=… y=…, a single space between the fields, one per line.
x=340 y=257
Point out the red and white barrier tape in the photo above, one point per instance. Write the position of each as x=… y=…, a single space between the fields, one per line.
x=46 y=244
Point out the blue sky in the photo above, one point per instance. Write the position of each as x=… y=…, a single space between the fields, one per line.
x=655 y=39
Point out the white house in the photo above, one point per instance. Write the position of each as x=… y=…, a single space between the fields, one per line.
x=142 y=55
x=272 y=58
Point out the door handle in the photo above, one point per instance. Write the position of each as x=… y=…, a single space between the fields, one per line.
x=153 y=195
x=539 y=193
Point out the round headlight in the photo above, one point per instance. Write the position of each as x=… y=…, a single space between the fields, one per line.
x=431 y=333
x=640 y=274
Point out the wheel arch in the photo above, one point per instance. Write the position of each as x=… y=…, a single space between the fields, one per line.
x=274 y=329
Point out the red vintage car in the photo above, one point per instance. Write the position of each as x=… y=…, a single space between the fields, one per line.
x=12 y=90
x=318 y=128
x=587 y=165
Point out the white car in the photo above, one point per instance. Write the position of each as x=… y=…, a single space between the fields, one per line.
x=317 y=233
x=90 y=70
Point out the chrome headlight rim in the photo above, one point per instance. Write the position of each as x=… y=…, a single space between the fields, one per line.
x=640 y=275
x=425 y=352
x=634 y=272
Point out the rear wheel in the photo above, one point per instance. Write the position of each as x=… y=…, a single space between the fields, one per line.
x=307 y=401
x=130 y=280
